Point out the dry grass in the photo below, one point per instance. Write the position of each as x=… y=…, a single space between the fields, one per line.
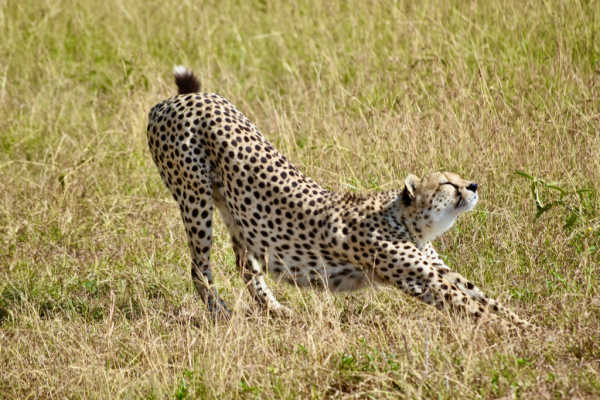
x=95 y=295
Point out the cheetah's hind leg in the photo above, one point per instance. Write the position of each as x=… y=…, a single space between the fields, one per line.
x=196 y=208
x=253 y=276
x=248 y=266
x=176 y=159
x=200 y=240
x=261 y=292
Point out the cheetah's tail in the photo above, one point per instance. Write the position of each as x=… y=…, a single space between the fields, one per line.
x=186 y=80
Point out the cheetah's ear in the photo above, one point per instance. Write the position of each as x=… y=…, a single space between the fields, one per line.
x=410 y=186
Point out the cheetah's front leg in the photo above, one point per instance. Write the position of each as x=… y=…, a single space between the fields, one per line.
x=471 y=290
x=451 y=276
x=414 y=274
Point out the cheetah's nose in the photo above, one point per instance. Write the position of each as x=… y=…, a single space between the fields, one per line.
x=472 y=187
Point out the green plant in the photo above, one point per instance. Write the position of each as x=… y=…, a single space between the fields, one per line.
x=579 y=209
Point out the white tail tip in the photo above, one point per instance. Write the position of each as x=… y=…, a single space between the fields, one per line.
x=180 y=70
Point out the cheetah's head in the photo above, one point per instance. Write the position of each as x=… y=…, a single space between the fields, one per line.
x=431 y=204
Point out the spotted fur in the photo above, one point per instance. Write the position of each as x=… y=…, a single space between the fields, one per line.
x=281 y=221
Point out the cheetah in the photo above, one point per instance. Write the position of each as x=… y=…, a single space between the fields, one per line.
x=282 y=222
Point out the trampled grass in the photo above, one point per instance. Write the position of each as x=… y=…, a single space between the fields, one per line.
x=95 y=295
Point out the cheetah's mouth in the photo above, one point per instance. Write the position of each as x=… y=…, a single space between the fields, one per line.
x=466 y=204
x=461 y=201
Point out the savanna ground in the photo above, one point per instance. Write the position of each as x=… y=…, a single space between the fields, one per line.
x=95 y=294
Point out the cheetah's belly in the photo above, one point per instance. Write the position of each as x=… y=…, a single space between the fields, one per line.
x=306 y=272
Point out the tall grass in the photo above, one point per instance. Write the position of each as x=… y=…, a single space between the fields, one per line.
x=95 y=295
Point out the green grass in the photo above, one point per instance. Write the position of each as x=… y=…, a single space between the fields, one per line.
x=95 y=294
